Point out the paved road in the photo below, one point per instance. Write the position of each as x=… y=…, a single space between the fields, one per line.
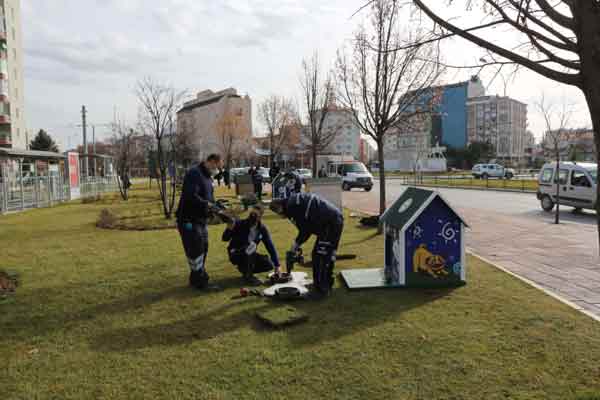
x=511 y=230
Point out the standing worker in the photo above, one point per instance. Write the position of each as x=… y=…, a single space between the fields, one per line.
x=197 y=198
x=244 y=236
x=227 y=177
x=313 y=215
x=257 y=180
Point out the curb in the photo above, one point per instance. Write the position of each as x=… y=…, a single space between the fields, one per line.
x=535 y=285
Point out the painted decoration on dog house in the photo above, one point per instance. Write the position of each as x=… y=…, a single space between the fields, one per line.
x=424 y=241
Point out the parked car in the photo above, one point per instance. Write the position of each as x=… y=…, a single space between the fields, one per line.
x=354 y=174
x=238 y=171
x=305 y=173
x=577 y=184
x=264 y=172
x=485 y=171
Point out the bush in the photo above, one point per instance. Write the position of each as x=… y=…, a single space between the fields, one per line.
x=107 y=219
x=91 y=199
x=8 y=282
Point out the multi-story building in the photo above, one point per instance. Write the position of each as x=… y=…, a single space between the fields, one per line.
x=573 y=144
x=347 y=134
x=214 y=116
x=368 y=151
x=417 y=142
x=501 y=121
x=12 y=119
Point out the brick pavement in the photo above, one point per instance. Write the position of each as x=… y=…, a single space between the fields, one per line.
x=560 y=259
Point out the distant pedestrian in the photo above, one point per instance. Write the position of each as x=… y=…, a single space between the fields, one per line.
x=274 y=171
x=322 y=172
x=257 y=180
x=227 y=177
x=219 y=176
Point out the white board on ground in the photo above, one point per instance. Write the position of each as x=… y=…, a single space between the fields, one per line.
x=299 y=281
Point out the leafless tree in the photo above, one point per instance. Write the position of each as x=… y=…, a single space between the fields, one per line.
x=559 y=40
x=277 y=112
x=229 y=136
x=158 y=106
x=184 y=144
x=318 y=95
x=122 y=151
x=556 y=120
x=384 y=84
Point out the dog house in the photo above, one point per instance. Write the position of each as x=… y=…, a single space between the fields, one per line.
x=424 y=241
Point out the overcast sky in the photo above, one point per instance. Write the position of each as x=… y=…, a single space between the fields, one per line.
x=92 y=52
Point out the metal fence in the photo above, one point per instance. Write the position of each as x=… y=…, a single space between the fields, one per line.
x=521 y=184
x=45 y=191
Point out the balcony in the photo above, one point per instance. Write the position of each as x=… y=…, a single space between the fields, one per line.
x=4 y=119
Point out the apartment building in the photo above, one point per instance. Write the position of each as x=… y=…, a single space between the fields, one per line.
x=212 y=116
x=12 y=118
x=501 y=121
x=341 y=122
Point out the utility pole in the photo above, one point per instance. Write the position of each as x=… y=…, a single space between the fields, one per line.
x=84 y=127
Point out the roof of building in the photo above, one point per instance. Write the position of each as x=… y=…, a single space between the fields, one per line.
x=410 y=205
x=30 y=153
x=193 y=105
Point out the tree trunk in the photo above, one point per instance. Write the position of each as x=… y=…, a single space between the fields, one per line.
x=380 y=158
x=557 y=177
x=314 y=162
x=587 y=15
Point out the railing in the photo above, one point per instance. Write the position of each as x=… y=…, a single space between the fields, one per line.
x=46 y=191
x=521 y=184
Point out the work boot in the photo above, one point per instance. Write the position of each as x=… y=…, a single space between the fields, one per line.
x=318 y=295
x=251 y=280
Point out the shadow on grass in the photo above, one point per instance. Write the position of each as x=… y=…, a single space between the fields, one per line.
x=345 y=313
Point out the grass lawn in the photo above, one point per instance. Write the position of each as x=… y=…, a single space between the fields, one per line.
x=105 y=314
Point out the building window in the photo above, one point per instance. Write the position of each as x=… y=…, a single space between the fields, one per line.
x=14 y=34
x=14 y=53
x=17 y=113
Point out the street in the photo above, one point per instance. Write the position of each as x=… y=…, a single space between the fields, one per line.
x=511 y=230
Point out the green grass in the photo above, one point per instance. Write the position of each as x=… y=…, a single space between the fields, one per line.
x=106 y=314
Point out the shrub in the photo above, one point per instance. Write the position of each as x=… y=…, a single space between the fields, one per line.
x=107 y=219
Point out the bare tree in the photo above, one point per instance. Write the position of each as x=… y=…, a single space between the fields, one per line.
x=556 y=120
x=229 y=135
x=276 y=112
x=184 y=143
x=122 y=151
x=158 y=106
x=384 y=84
x=318 y=93
x=559 y=40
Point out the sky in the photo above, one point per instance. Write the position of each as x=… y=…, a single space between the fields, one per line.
x=93 y=52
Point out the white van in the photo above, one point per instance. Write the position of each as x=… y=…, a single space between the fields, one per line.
x=577 y=184
x=354 y=174
x=485 y=171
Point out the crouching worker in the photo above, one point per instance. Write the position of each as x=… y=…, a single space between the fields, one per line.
x=244 y=236
x=192 y=215
x=313 y=215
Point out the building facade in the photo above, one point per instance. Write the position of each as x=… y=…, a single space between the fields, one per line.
x=573 y=144
x=212 y=117
x=501 y=121
x=12 y=105
x=347 y=134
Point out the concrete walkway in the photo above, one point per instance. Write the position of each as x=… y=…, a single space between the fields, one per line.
x=561 y=259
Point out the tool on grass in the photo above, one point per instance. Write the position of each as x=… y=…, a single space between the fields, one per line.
x=291 y=258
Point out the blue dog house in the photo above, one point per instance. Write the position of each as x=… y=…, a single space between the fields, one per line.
x=424 y=241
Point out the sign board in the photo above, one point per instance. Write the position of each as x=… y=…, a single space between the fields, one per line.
x=73 y=171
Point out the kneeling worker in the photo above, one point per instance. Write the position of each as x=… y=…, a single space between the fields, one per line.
x=313 y=215
x=244 y=236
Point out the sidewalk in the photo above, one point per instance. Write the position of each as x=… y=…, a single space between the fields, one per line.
x=560 y=259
